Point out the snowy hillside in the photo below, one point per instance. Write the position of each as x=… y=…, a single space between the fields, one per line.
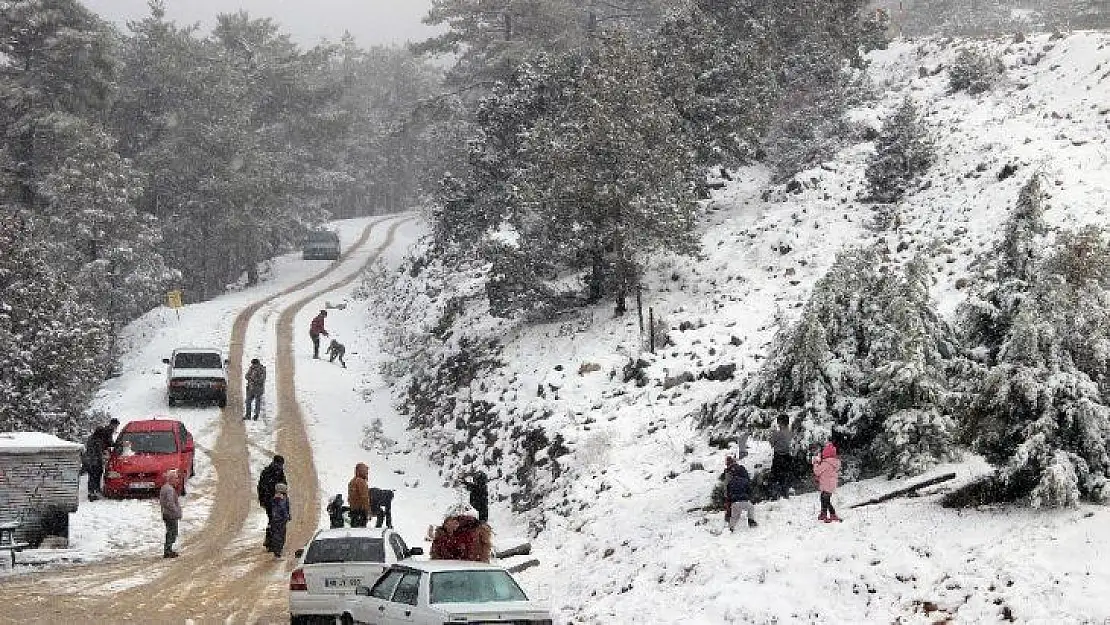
x=623 y=539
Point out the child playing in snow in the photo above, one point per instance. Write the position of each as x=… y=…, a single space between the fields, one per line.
x=337 y=512
x=336 y=350
x=279 y=519
x=826 y=468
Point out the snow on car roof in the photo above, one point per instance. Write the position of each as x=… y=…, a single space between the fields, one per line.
x=204 y=350
x=437 y=566
x=150 y=425
x=33 y=442
x=352 y=532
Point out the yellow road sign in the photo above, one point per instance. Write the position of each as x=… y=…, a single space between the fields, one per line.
x=173 y=299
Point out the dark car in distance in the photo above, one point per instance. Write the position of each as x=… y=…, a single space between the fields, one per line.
x=321 y=245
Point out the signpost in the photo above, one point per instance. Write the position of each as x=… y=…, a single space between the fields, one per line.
x=173 y=300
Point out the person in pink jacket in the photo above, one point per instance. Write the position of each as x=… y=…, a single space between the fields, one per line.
x=826 y=468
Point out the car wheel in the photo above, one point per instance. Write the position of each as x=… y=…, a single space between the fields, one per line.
x=298 y=620
x=347 y=619
x=222 y=401
x=192 y=468
x=183 y=489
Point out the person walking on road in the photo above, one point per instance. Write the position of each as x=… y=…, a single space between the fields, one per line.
x=256 y=383
x=279 y=519
x=315 y=330
x=268 y=481
x=98 y=446
x=171 y=511
x=358 y=495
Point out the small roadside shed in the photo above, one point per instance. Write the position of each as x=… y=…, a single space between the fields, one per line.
x=39 y=476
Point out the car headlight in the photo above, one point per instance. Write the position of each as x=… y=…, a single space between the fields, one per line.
x=113 y=475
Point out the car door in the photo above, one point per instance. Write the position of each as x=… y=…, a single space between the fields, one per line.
x=185 y=449
x=371 y=609
x=402 y=607
x=398 y=547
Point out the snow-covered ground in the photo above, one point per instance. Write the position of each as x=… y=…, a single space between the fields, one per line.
x=625 y=539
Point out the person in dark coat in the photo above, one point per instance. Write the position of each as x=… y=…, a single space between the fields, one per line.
x=478 y=488
x=271 y=476
x=279 y=519
x=336 y=511
x=315 y=330
x=381 y=506
x=256 y=383
x=336 y=350
x=780 y=460
x=738 y=487
x=98 y=446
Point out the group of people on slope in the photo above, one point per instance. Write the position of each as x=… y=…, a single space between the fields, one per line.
x=738 y=484
x=256 y=373
x=363 y=503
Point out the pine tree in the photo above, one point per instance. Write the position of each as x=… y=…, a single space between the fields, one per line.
x=1041 y=415
x=53 y=353
x=903 y=152
x=867 y=366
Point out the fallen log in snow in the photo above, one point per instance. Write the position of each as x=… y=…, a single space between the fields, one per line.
x=907 y=490
x=523 y=566
x=519 y=550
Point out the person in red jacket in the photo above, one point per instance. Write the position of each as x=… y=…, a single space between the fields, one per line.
x=315 y=330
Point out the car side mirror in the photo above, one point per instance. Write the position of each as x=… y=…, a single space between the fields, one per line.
x=363 y=591
x=414 y=551
x=189 y=446
x=166 y=360
x=227 y=363
x=298 y=553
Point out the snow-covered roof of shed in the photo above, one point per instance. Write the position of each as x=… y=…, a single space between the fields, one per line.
x=33 y=442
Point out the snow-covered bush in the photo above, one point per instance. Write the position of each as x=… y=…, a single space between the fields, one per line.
x=974 y=72
x=903 y=152
x=865 y=366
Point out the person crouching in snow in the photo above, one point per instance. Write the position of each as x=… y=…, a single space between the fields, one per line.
x=826 y=468
x=738 y=497
x=337 y=512
x=279 y=519
x=336 y=350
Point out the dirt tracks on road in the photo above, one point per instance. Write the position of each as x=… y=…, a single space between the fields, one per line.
x=223 y=574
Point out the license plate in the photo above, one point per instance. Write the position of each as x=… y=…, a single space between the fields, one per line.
x=198 y=384
x=138 y=485
x=342 y=582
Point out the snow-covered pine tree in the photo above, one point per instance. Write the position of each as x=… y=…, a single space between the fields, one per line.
x=1041 y=413
x=903 y=152
x=53 y=352
x=984 y=319
x=866 y=366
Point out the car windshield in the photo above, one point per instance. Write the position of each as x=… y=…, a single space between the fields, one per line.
x=322 y=237
x=353 y=549
x=195 y=360
x=474 y=587
x=149 y=442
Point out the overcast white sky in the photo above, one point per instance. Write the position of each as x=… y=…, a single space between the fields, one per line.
x=308 y=21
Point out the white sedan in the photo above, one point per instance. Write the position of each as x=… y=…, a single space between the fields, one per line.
x=439 y=592
x=335 y=563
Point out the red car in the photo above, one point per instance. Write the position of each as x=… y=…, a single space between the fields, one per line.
x=156 y=446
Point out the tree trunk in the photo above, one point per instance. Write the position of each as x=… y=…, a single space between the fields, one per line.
x=596 y=275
